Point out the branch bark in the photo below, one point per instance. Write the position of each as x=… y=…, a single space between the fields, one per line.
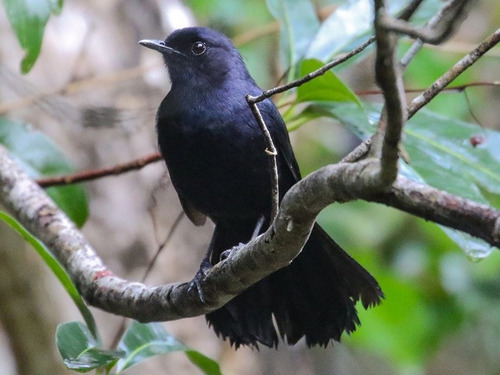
x=267 y=253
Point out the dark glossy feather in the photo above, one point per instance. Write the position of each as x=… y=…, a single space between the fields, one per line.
x=214 y=151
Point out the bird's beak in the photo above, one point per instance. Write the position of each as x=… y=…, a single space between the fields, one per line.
x=158 y=45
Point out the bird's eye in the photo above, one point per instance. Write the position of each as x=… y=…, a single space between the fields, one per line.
x=198 y=48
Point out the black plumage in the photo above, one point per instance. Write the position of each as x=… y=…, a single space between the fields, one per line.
x=215 y=154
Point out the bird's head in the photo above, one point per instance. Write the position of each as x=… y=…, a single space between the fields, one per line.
x=196 y=56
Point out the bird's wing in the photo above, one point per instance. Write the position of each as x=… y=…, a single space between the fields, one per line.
x=196 y=217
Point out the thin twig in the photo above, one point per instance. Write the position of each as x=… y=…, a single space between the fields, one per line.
x=431 y=25
x=410 y=91
x=99 y=173
x=253 y=100
x=410 y=10
x=457 y=69
x=358 y=153
x=325 y=68
x=438 y=86
x=448 y=18
x=271 y=151
x=162 y=245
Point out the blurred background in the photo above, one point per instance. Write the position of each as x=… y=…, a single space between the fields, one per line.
x=94 y=91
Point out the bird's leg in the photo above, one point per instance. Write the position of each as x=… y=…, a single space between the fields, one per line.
x=258 y=226
x=205 y=266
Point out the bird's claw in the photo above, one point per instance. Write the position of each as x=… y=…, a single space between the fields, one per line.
x=226 y=254
x=205 y=266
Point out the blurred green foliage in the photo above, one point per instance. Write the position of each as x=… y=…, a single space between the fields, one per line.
x=28 y=19
x=438 y=301
x=41 y=158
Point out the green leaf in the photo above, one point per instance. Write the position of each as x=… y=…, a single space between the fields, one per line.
x=80 y=350
x=205 y=364
x=350 y=114
x=298 y=25
x=40 y=157
x=350 y=23
x=441 y=148
x=327 y=87
x=143 y=341
x=56 y=268
x=28 y=19
x=56 y=6
x=442 y=155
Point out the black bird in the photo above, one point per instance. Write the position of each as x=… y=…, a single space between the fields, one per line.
x=215 y=154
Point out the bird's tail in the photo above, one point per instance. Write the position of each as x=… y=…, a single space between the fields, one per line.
x=314 y=297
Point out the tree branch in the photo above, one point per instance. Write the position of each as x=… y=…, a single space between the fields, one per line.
x=281 y=243
x=390 y=126
x=443 y=208
x=267 y=253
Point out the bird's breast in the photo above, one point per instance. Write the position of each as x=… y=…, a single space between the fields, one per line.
x=219 y=166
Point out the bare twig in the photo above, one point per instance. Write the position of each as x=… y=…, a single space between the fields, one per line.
x=162 y=245
x=123 y=324
x=431 y=25
x=410 y=10
x=99 y=173
x=448 y=18
x=325 y=68
x=358 y=153
x=459 y=88
x=407 y=13
x=270 y=151
x=457 y=69
x=438 y=86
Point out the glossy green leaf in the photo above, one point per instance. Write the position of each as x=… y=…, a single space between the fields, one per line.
x=56 y=268
x=80 y=350
x=350 y=23
x=28 y=19
x=327 y=87
x=441 y=148
x=40 y=157
x=444 y=152
x=354 y=117
x=442 y=155
x=474 y=247
x=298 y=26
x=143 y=341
